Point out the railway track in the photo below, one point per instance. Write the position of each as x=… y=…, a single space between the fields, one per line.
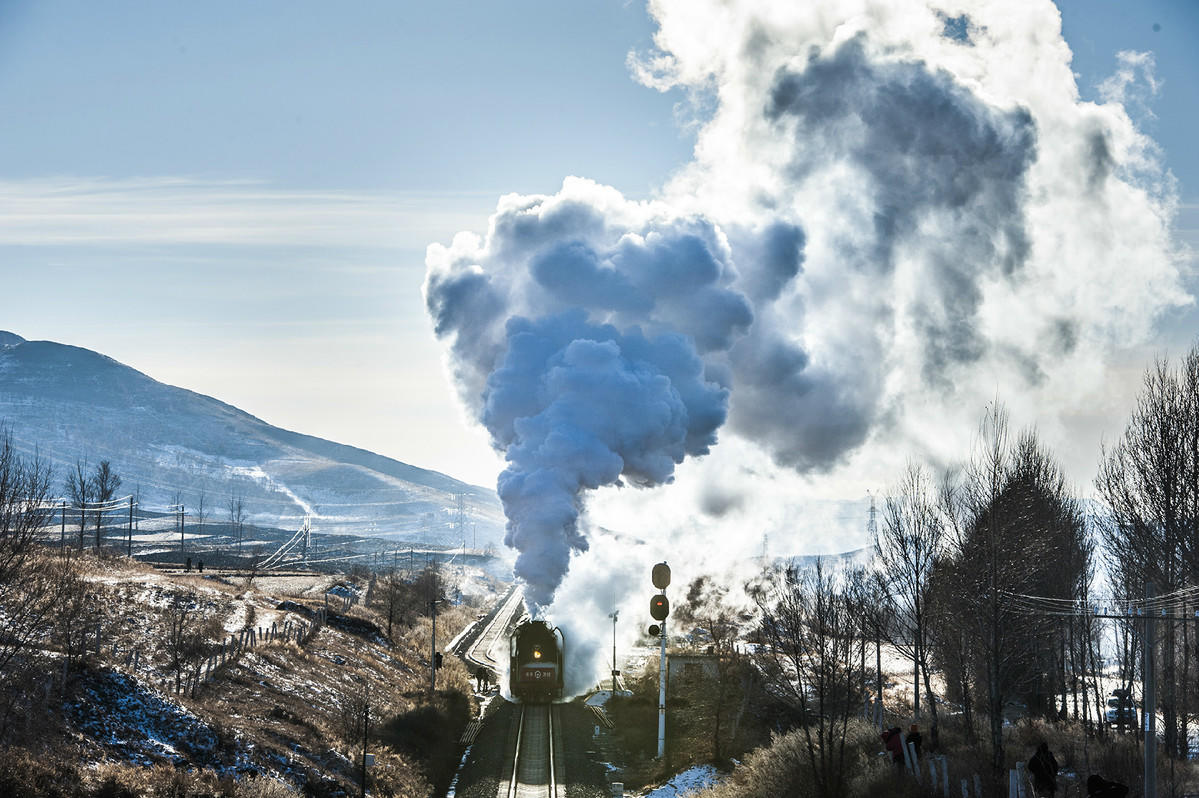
x=482 y=651
x=536 y=768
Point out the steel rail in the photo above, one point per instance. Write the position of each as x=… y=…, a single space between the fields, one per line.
x=516 y=754
x=517 y=786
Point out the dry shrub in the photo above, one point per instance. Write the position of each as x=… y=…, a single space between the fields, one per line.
x=23 y=773
x=264 y=787
x=394 y=775
x=164 y=781
x=784 y=768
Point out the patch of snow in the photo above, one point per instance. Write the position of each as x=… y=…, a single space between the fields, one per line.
x=689 y=781
x=137 y=723
x=600 y=697
x=237 y=619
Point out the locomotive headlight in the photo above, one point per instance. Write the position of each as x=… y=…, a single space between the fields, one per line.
x=536 y=652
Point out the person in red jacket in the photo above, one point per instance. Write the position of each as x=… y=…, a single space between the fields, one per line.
x=893 y=741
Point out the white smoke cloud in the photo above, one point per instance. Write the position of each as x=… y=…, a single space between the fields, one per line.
x=971 y=227
x=897 y=211
x=585 y=330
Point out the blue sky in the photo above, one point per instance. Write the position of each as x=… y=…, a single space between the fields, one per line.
x=436 y=97
x=236 y=198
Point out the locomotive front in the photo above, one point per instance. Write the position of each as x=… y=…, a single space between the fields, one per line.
x=536 y=668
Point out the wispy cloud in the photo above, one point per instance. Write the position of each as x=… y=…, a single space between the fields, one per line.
x=179 y=210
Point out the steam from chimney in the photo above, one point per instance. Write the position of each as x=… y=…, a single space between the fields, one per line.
x=586 y=332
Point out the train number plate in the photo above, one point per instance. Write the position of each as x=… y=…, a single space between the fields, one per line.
x=534 y=674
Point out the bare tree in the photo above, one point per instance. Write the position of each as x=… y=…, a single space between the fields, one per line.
x=809 y=629
x=76 y=613
x=398 y=599
x=202 y=510
x=28 y=587
x=79 y=489
x=1014 y=523
x=237 y=516
x=188 y=633
x=907 y=547
x=104 y=485
x=31 y=581
x=1149 y=481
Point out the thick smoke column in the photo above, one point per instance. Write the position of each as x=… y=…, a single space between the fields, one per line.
x=586 y=331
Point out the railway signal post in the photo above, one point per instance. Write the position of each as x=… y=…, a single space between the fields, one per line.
x=659 y=608
x=614 y=615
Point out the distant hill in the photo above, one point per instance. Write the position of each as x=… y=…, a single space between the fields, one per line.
x=69 y=403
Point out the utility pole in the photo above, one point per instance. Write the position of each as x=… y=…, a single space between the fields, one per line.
x=433 y=641
x=366 y=720
x=64 y=526
x=433 y=650
x=1149 y=699
x=129 y=546
x=878 y=670
x=1148 y=677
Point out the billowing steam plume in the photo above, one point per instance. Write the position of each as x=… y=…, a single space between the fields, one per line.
x=895 y=210
x=585 y=330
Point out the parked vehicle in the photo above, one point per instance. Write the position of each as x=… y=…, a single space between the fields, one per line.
x=1121 y=709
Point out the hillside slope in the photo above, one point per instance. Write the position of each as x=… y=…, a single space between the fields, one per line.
x=69 y=403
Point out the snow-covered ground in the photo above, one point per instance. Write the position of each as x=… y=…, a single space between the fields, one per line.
x=689 y=781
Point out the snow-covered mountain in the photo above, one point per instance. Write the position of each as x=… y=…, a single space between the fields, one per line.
x=69 y=403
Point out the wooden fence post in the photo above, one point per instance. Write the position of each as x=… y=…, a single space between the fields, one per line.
x=909 y=758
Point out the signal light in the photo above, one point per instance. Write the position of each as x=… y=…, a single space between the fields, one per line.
x=661 y=576
x=654 y=630
x=659 y=607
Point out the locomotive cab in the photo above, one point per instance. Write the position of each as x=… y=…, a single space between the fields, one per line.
x=536 y=666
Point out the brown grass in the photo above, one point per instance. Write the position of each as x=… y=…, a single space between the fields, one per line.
x=285 y=703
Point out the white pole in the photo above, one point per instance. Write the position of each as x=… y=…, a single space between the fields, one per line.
x=662 y=690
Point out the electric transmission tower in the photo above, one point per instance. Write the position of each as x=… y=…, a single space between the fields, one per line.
x=460 y=518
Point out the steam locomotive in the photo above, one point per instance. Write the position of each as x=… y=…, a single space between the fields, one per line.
x=537 y=659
